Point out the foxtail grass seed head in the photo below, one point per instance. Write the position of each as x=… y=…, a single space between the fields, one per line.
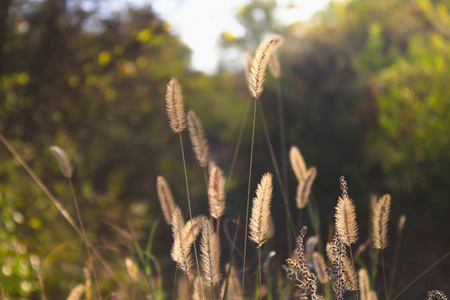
x=216 y=193
x=364 y=284
x=260 y=61
x=274 y=66
x=180 y=253
x=380 y=221
x=401 y=223
x=175 y=106
x=77 y=292
x=436 y=294
x=165 y=199
x=260 y=219
x=209 y=254
x=64 y=164
x=311 y=244
x=297 y=163
x=346 y=224
x=198 y=138
x=248 y=65
x=132 y=269
x=304 y=188
x=319 y=266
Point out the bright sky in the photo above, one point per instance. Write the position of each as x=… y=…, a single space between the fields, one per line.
x=200 y=23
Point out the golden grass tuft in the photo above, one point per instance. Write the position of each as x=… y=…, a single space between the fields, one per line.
x=198 y=138
x=297 y=163
x=380 y=221
x=77 y=292
x=165 y=199
x=175 y=107
x=346 y=224
x=260 y=61
x=180 y=253
x=319 y=266
x=64 y=164
x=209 y=254
x=304 y=188
x=216 y=193
x=260 y=219
x=274 y=66
x=364 y=284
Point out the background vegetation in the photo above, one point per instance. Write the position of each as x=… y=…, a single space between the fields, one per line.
x=365 y=88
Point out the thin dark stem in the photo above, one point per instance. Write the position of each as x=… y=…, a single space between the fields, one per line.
x=260 y=272
x=238 y=145
x=278 y=175
x=248 y=195
x=384 y=275
x=395 y=261
x=91 y=264
x=174 y=282
x=422 y=274
x=190 y=212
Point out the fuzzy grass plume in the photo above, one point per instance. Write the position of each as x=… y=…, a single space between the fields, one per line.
x=260 y=219
x=380 y=221
x=216 y=193
x=198 y=138
x=64 y=164
x=274 y=66
x=319 y=266
x=346 y=224
x=180 y=253
x=364 y=284
x=304 y=188
x=260 y=61
x=297 y=163
x=175 y=107
x=165 y=199
x=209 y=254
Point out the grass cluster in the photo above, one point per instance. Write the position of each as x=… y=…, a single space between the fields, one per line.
x=198 y=243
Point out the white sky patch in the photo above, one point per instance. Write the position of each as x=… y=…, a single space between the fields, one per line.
x=199 y=23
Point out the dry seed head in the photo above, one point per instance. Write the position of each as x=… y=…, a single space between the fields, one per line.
x=373 y=295
x=165 y=199
x=259 y=221
x=175 y=106
x=64 y=164
x=132 y=268
x=364 y=284
x=209 y=254
x=274 y=66
x=319 y=266
x=297 y=163
x=351 y=281
x=304 y=188
x=198 y=139
x=180 y=253
x=216 y=193
x=77 y=292
x=248 y=65
x=260 y=61
x=401 y=223
x=380 y=220
x=346 y=224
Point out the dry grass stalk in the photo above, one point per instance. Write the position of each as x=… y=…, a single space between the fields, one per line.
x=259 y=221
x=64 y=164
x=351 y=280
x=297 y=163
x=260 y=61
x=210 y=254
x=234 y=291
x=274 y=66
x=197 y=289
x=180 y=253
x=175 y=107
x=364 y=284
x=77 y=292
x=379 y=222
x=319 y=266
x=191 y=230
x=165 y=199
x=198 y=138
x=216 y=193
x=304 y=187
x=346 y=224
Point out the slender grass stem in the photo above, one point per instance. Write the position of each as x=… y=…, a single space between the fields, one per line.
x=395 y=262
x=384 y=275
x=174 y=282
x=238 y=144
x=423 y=274
x=190 y=213
x=91 y=264
x=260 y=272
x=248 y=195
x=231 y=258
